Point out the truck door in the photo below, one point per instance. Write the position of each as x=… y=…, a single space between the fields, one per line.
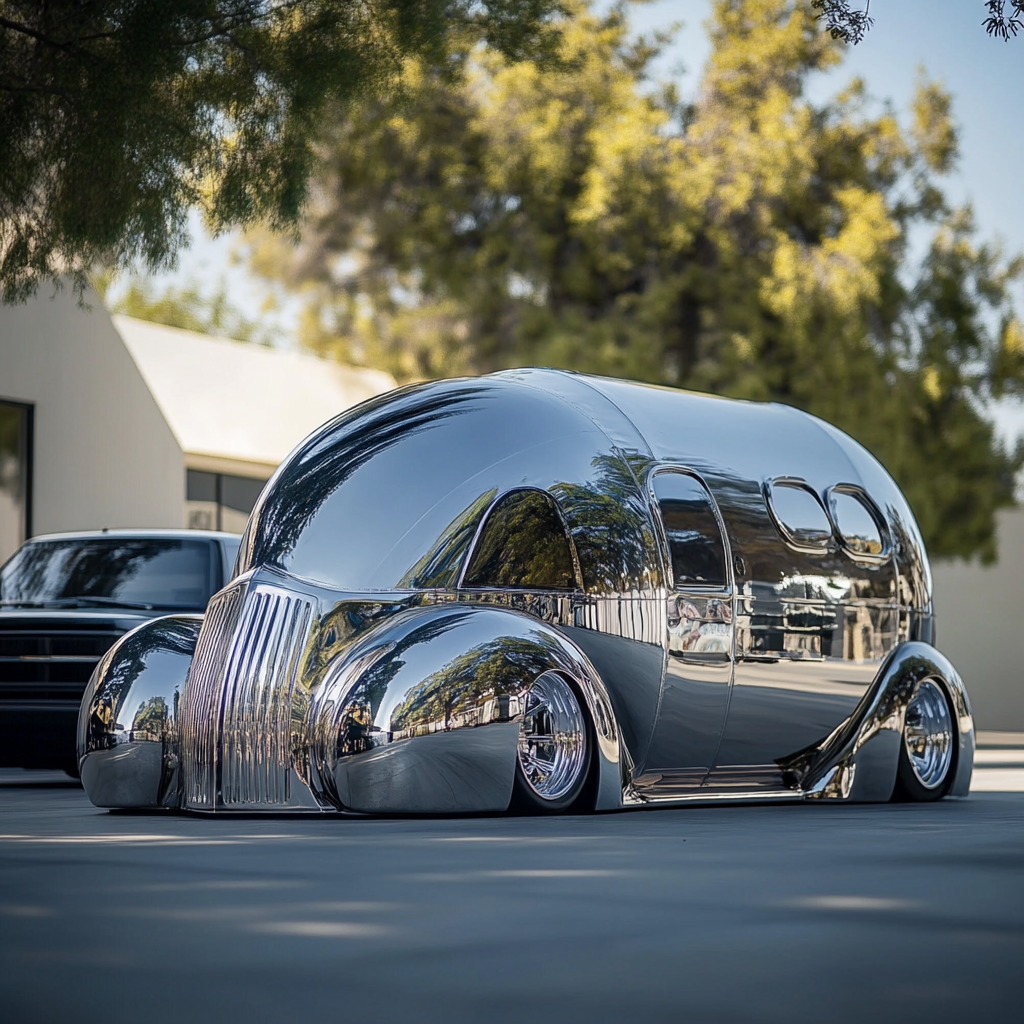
x=698 y=673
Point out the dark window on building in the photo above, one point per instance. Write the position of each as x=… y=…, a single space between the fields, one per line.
x=220 y=501
x=15 y=476
x=201 y=486
x=799 y=515
x=523 y=544
x=694 y=540
x=240 y=492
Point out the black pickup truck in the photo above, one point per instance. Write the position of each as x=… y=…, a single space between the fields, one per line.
x=65 y=599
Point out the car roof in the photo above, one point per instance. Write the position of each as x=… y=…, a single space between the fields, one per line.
x=128 y=534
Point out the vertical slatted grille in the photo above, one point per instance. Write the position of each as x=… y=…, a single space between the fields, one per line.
x=202 y=697
x=256 y=755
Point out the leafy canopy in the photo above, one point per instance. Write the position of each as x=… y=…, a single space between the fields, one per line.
x=752 y=244
x=119 y=115
x=1003 y=18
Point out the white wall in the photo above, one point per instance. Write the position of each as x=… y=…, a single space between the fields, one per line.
x=103 y=453
x=980 y=619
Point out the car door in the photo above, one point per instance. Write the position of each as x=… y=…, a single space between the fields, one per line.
x=816 y=614
x=700 y=640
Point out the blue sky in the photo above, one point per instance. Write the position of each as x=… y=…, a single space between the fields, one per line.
x=984 y=75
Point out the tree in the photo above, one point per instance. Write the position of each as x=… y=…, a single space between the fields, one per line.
x=120 y=115
x=852 y=23
x=752 y=244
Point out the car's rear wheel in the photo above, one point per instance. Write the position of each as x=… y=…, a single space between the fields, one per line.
x=928 y=749
x=554 y=752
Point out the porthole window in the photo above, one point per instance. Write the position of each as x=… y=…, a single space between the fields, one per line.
x=857 y=524
x=523 y=545
x=799 y=515
x=691 y=529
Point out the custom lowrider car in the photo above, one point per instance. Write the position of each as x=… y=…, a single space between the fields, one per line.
x=545 y=591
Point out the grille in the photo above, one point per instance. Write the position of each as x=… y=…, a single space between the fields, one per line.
x=42 y=662
x=257 y=720
x=201 y=712
x=240 y=686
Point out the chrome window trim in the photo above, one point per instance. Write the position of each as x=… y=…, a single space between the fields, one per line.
x=659 y=528
x=858 y=493
x=797 y=482
x=467 y=559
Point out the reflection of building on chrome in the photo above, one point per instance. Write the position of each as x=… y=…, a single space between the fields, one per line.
x=496 y=708
x=802 y=644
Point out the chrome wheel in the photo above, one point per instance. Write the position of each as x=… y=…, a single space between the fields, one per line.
x=552 y=739
x=928 y=735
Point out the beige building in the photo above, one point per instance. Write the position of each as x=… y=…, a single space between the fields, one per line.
x=117 y=422
x=979 y=611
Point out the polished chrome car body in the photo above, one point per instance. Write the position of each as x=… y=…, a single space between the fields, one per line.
x=733 y=599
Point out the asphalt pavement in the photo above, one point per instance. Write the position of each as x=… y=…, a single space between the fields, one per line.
x=778 y=913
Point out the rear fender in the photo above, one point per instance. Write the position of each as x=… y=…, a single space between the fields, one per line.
x=860 y=759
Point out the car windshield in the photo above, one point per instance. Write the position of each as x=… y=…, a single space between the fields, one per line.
x=128 y=572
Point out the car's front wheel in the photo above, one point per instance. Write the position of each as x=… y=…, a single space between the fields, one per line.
x=554 y=752
x=928 y=750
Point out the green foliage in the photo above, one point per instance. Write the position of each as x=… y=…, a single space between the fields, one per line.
x=187 y=307
x=752 y=245
x=119 y=115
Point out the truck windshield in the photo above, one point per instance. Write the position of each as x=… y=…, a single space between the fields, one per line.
x=137 y=572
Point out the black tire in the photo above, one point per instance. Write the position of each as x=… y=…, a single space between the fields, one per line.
x=910 y=786
x=527 y=796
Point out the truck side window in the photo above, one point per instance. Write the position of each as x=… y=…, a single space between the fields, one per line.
x=691 y=529
x=523 y=544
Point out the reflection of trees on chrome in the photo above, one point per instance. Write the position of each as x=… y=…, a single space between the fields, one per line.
x=132 y=653
x=365 y=699
x=439 y=567
x=458 y=692
x=610 y=526
x=331 y=455
x=87 y=569
x=523 y=544
x=150 y=719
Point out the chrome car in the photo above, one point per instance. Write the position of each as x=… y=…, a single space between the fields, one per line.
x=544 y=591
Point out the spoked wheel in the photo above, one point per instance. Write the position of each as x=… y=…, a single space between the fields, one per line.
x=929 y=740
x=554 y=748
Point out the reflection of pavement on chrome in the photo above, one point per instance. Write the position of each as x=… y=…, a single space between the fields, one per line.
x=998 y=763
x=998 y=767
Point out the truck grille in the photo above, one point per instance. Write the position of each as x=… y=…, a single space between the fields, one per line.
x=42 y=662
x=238 y=701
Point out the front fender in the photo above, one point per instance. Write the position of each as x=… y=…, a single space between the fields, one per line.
x=127 y=722
x=422 y=714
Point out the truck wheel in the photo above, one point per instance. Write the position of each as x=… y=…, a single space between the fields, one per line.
x=929 y=741
x=554 y=748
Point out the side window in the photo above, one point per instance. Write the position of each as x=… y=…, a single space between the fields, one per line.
x=857 y=523
x=799 y=515
x=523 y=544
x=691 y=529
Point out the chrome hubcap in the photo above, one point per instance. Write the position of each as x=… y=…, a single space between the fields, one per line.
x=928 y=734
x=553 y=737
